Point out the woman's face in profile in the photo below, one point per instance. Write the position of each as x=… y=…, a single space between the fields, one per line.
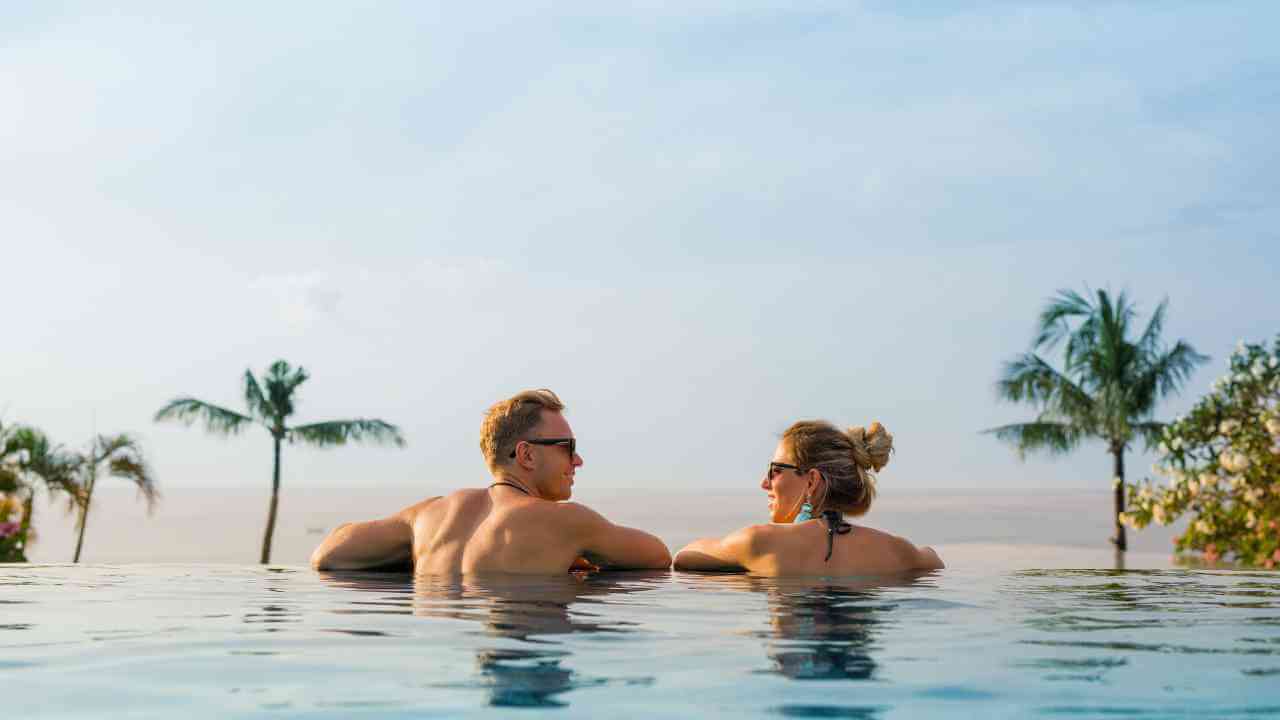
x=784 y=485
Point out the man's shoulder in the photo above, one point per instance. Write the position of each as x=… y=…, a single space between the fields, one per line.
x=569 y=513
x=434 y=503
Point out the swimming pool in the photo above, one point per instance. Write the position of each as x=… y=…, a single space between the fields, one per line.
x=222 y=641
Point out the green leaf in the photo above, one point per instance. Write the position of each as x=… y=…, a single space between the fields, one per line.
x=340 y=432
x=216 y=419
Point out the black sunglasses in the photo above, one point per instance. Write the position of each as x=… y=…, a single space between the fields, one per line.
x=570 y=443
x=777 y=467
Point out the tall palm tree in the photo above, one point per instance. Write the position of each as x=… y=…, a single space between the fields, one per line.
x=1109 y=383
x=124 y=460
x=29 y=461
x=271 y=409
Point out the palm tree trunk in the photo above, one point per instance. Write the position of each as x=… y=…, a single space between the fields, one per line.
x=1119 y=539
x=275 y=499
x=84 y=510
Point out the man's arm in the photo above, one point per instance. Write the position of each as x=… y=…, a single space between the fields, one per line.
x=362 y=545
x=730 y=553
x=614 y=546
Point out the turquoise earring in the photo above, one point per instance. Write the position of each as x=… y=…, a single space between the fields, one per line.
x=806 y=513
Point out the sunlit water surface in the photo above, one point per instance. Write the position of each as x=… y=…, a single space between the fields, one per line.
x=228 y=641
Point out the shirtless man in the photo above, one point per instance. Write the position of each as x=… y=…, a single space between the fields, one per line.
x=516 y=525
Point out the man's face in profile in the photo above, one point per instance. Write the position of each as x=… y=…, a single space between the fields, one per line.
x=555 y=467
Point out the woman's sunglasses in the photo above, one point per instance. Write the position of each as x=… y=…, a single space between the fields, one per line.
x=777 y=467
x=569 y=443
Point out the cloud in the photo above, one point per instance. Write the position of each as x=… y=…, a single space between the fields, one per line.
x=302 y=299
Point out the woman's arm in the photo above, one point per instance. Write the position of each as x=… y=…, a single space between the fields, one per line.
x=734 y=552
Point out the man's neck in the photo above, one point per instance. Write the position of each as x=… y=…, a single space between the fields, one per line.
x=517 y=483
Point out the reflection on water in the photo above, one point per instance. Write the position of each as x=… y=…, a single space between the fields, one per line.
x=246 y=641
x=823 y=628
x=532 y=611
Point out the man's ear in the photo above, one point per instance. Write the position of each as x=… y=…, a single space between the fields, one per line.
x=526 y=459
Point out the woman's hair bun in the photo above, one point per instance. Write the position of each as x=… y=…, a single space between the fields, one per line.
x=871 y=446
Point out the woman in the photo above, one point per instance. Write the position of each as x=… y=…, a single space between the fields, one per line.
x=818 y=475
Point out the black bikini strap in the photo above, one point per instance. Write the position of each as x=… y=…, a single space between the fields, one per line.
x=511 y=485
x=835 y=526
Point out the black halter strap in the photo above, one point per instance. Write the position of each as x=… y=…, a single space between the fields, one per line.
x=835 y=526
x=511 y=485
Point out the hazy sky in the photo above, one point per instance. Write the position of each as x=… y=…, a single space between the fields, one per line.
x=697 y=222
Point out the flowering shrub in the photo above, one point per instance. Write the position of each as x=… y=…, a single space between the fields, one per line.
x=12 y=538
x=1222 y=464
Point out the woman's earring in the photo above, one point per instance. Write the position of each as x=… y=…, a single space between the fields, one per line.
x=806 y=513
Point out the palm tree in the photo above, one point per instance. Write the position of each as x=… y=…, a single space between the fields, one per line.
x=124 y=460
x=28 y=462
x=1107 y=389
x=271 y=409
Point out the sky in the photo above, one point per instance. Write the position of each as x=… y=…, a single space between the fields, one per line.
x=697 y=222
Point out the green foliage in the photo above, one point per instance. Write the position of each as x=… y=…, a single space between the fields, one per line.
x=1222 y=465
x=30 y=462
x=13 y=538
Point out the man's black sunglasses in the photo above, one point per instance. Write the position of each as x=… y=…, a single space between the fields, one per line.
x=776 y=467
x=570 y=443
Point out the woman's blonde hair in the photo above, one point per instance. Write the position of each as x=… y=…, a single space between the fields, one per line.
x=509 y=421
x=847 y=460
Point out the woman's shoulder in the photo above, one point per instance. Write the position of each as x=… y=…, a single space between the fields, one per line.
x=919 y=557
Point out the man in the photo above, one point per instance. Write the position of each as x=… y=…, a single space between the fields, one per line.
x=516 y=525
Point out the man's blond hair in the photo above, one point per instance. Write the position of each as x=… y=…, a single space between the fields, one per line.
x=510 y=421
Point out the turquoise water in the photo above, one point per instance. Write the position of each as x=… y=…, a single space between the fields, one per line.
x=232 y=641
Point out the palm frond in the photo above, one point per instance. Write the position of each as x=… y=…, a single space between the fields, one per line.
x=131 y=467
x=281 y=380
x=1149 y=343
x=37 y=461
x=1029 y=378
x=1055 y=438
x=340 y=432
x=254 y=399
x=216 y=419
x=1052 y=326
x=1164 y=374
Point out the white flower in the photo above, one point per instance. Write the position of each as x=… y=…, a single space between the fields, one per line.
x=1157 y=514
x=1208 y=480
x=1204 y=527
x=1233 y=462
x=1144 y=494
x=1164 y=449
x=1227 y=427
x=1193 y=487
x=1176 y=444
x=1273 y=362
x=1237 y=482
x=1251 y=520
x=1273 y=426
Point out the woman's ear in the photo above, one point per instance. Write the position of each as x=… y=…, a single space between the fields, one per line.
x=815 y=480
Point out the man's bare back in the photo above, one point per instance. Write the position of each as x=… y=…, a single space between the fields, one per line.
x=495 y=530
x=517 y=525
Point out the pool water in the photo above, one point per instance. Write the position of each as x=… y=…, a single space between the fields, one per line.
x=240 y=641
